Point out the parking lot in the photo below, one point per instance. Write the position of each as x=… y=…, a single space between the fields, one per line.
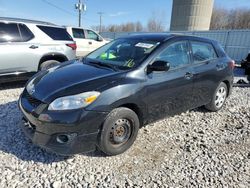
x=190 y=149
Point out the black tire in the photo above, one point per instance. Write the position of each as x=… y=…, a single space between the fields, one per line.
x=215 y=106
x=116 y=136
x=48 y=64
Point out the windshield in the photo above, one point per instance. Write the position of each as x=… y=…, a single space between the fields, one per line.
x=123 y=53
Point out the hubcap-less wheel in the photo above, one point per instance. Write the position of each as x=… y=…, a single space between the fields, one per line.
x=120 y=132
x=220 y=97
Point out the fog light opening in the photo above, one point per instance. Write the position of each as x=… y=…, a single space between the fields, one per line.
x=62 y=139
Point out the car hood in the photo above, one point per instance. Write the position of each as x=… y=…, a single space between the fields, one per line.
x=70 y=79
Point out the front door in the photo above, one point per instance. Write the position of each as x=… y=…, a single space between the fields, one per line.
x=170 y=92
x=94 y=40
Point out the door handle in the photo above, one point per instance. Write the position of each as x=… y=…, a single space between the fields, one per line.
x=33 y=47
x=188 y=75
x=90 y=42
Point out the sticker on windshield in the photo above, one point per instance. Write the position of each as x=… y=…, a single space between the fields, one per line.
x=144 y=45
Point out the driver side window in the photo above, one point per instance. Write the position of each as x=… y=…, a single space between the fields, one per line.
x=92 y=35
x=175 y=54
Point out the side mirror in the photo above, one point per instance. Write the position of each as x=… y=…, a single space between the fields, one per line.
x=100 y=39
x=159 y=66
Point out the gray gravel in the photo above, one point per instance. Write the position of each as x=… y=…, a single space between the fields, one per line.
x=196 y=148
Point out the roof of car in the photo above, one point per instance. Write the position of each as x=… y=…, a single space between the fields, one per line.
x=20 y=20
x=161 y=37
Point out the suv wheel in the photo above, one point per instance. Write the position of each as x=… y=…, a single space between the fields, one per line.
x=219 y=98
x=119 y=131
x=48 y=64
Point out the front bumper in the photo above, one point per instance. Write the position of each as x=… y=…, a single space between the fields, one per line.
x=44 y=127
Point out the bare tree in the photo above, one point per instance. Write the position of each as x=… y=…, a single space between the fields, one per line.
x=139 y=27
x=156 y=22
x=230 y=19
x=219 y=19
x=125 y=27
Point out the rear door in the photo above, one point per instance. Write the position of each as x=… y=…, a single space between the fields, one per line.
x=205 y=70
x=171 y=92
x=15 y=50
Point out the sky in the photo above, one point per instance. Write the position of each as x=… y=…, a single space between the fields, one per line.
x=62 y=12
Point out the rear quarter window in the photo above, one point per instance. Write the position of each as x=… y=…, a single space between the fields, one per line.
x=203 y=51
x=56 y=33
x=25 y=33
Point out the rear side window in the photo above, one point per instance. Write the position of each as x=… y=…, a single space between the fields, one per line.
x=55 y=33
x=25 y=33
x=78 y=33
x=175 y=54
x=9 y=33
x=203 y=52
x=92 y=35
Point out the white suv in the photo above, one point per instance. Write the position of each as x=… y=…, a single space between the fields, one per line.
x=87 y=40
x=27 y=46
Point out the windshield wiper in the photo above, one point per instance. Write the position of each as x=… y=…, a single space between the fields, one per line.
x=102 y=64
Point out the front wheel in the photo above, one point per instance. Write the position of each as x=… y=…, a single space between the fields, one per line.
x=219 y=98
x=119 y=131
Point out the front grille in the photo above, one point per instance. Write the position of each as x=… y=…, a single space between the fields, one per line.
x=33 y=101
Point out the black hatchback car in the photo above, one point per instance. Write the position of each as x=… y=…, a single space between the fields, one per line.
x=103 y=99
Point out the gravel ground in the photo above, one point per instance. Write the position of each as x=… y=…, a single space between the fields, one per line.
x=196 y=148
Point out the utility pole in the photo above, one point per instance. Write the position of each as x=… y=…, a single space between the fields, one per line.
x=80 y=13
x=80 y=7
x=100 y=27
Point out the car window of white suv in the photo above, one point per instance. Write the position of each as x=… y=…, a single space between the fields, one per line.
x=92 y=35
x=9 y=33
x=55 y=33
x=78 y=33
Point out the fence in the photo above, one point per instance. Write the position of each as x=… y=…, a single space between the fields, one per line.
x=235 y=42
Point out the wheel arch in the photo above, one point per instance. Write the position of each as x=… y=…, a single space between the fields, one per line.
x=228 y=87
x=134 y=107
x=52 y=56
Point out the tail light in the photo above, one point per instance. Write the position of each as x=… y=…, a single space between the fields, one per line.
x=73 y=46
x=232 y=64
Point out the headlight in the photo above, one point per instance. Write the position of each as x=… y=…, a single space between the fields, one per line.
x=31 y=87
x=74 y=101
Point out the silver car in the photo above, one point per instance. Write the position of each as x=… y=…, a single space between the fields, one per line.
x=27 y=46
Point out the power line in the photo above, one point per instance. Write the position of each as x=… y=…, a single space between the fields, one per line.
x=66 y=11
x=59 y=8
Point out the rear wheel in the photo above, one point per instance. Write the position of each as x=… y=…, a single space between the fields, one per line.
x=219 y=98
x=48 y=64
x=119 y=131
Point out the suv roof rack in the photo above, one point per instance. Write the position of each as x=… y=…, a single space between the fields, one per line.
x=25 y=20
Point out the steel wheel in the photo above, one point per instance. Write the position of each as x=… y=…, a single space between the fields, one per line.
x=120 y=132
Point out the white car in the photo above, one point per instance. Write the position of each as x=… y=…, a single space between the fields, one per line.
x=86 y=40
x=28 y=46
